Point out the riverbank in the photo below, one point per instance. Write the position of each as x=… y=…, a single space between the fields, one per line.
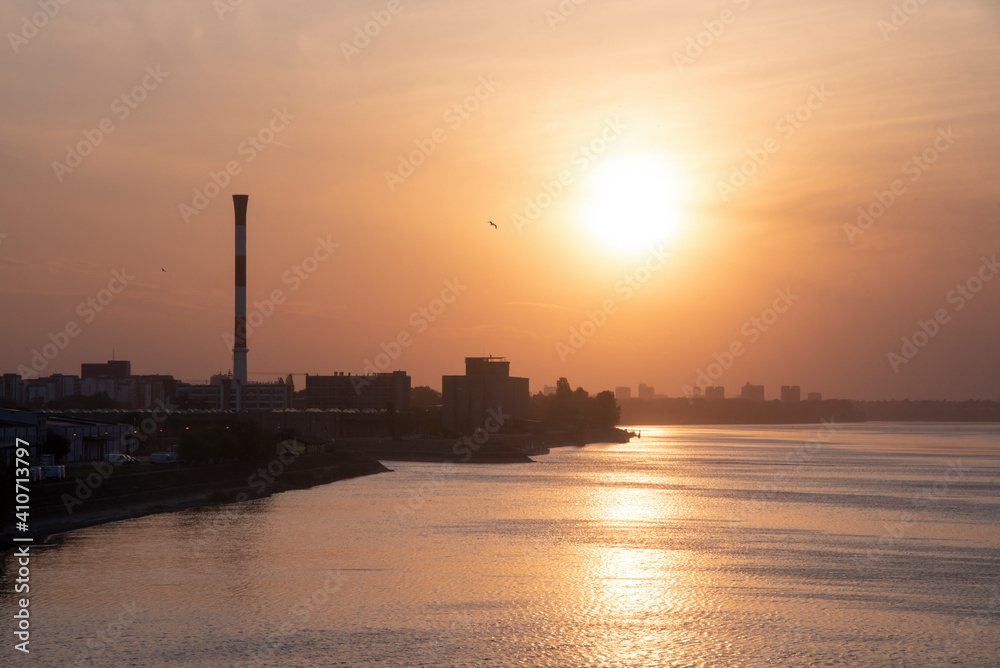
x=497 y=449
x=110 y=494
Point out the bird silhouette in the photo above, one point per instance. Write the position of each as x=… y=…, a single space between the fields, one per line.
x=494 y=224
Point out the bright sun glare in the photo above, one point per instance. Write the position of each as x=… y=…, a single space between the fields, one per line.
x=633 y=202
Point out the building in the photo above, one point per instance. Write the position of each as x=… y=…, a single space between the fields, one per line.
x=814 y=396
x=40 y=391
x=487 y=387
x=89 y=439
x=376 y=391
x=13 y=389
x=646 y=391
x=151 y=390
x=274 y=396
x=14 y=425
x=791 y=393
x=623 y=393
x=715 y=392
x=548 y=390
x=752 y=392
x=206 y=397
x=220 y=393
x=111 y=369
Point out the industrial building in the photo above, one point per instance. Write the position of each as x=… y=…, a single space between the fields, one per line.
x=486 y=386
x=89 y=439
x=376 y=391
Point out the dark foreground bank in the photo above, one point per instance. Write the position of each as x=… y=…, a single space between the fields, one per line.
x=493 y=449
x=107 y=494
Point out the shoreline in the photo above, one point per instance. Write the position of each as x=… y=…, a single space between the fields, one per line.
x=65 y=506
x=108 y=494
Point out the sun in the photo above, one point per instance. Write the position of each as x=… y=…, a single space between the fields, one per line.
x=632 y=202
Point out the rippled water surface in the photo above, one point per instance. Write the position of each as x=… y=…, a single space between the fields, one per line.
x=864 y=545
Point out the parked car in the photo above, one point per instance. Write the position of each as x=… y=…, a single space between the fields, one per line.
x=118 y=458
x=163 y=458
x=53 y=471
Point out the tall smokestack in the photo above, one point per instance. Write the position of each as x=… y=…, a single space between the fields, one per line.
x=240 y=335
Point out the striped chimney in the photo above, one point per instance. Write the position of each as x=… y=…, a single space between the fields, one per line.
x=240 y=334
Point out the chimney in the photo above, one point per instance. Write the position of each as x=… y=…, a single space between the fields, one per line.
x=240 y=334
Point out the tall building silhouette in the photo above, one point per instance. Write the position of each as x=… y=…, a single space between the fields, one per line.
x=791 y=393
x=486 y=388
x=715 y=392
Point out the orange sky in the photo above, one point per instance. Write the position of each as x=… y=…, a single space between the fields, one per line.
x=627 y=78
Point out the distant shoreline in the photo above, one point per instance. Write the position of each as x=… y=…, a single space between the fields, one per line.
x=700 y=411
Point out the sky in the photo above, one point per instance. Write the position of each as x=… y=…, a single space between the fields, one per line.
x=684 y=193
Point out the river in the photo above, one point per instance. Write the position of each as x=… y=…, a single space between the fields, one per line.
x=841 y=545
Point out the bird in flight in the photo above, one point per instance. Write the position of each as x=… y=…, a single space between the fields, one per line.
x=163 y=270
x=493 y=224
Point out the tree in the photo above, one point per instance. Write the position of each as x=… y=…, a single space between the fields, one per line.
x=56 y=445
x=561 y=411
x=605 y=412
x=423 y=396
x=575 y=408
x=242 y=439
